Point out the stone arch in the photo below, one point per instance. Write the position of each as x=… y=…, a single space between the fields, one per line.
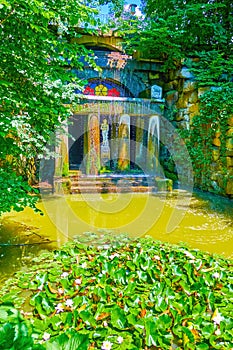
x=112 y=43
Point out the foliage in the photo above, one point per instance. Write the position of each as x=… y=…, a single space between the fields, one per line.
x=211 y=124
x=15 y=332
x=177 y=29
x=106 y=292
x=16 y=194
x=39 y=51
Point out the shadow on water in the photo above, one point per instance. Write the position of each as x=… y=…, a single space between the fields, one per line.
x=19 y=243
x=205 y=223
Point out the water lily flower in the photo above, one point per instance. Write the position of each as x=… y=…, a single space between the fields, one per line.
x=156 y=257
x=216 y=275
x=107 y=345
x=59 y=308
x=64 y=274
x=114 y=255
x=78 y=281
x=217 y=332
x=217 y=317
x=120 y=339
x=189 y=255
x=69 y=302
x=46 y=336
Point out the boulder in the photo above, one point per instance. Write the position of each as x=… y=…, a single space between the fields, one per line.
x=171 y=98
x=193 y=98
x=189 y=86
x=185 y=73
x=229 y=162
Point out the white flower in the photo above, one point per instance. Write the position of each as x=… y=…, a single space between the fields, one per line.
x=46 y=336
x=112 y=256
x=69 y=303
x=60 y=291
x=217 y=318
x=64 y=275
x=217 y=332
x=105 y=324
x=84 y=265
x=216 y=275
x=107 y=345
x=59 y=308
x=120 y=340
x=78 y=281
x=156 y=257
x=189 y=255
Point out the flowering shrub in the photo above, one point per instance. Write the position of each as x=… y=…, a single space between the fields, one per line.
x=103 y=293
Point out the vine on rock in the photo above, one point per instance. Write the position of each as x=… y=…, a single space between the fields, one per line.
x=209 y=139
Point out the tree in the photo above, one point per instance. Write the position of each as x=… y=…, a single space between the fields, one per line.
x=176 y=29
x=38 y=54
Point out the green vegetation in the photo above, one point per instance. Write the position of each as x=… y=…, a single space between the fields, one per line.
x=197 y=34
x=211 y=125
x=105 y=292
x=37 y=60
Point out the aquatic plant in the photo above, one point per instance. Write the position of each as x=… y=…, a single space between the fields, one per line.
x=106 y=292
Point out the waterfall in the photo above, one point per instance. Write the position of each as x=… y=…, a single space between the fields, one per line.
x=93 y=156
x=124 y=142
x=153 y=144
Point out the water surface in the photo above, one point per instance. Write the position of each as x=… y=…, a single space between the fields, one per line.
x=201 y=220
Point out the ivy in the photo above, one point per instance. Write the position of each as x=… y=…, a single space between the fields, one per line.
x=209 y=134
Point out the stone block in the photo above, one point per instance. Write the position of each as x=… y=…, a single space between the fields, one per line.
x=216 y=142
x=230 y=121
x=172 y=85
x=171 y=98
x=193 y=98
x=229 y=162
x=229 y=187
x=229 y=144
x=185 y=73
x=183 y=101
x=215 y=155
x=202 y=90
x=229 y=153
x=189 y=86
x=194 y=108
x=230 y=132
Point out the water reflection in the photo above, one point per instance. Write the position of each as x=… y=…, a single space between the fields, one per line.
x=205 y=222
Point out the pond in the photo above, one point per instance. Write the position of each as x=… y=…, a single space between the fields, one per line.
x=203 y=221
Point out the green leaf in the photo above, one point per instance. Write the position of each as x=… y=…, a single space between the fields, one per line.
x=118 y=318
x=151 y=333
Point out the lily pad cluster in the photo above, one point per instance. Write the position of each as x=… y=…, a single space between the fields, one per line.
x=117 y=293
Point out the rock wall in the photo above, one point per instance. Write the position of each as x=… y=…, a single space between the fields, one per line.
x=182 y=97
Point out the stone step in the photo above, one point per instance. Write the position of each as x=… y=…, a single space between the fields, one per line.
x=113 y=189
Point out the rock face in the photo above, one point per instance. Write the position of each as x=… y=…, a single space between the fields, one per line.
x=182 y=97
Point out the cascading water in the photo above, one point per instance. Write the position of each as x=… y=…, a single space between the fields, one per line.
x=124 y=142
x=153 y=144
x=121 y=135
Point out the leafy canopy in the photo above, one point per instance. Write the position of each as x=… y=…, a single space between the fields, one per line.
x=38 y=54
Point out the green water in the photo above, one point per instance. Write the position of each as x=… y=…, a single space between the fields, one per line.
x=202 y=221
